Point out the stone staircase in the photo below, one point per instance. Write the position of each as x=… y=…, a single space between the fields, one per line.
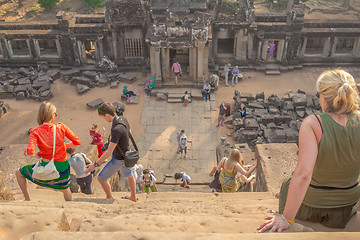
x=167 y=215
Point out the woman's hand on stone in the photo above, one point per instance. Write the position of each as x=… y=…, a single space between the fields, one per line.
x=275 y=223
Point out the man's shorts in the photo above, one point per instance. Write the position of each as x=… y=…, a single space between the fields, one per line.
x=221 y=117
x=113 y=166
x=177 y=73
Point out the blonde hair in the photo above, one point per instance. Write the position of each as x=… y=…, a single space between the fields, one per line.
x=234 y=158
x=339 y=90
x=46 y=112
x=94 y=126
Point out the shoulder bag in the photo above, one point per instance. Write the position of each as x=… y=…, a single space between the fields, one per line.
x=130 y=157
x=47 y=172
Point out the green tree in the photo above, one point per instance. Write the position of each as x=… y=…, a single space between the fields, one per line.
x=94 y=3
x=48 y=4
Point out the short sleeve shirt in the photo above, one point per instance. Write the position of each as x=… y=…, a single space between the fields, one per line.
x=78 y=163
x=186 y=177
x=222 y=110
x=120 y=136
x=148 y=182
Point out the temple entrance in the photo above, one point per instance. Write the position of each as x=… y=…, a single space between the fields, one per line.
x=181 y=55
x=270 y=51
x=87 y=51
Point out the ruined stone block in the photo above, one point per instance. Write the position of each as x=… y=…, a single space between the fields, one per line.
x=267 y=118
x=70 y=73
x=248 y=96
x=309 y=101
x=288 y=105
x=255 y=105
x=114 y=84
x=20 y=96
x=161 y=96
x=267 y=134
x=82 y=81
x=54 y=74
x=39 y=84
x=246 y=135
x=101 y=82
x=21 y=88
x=282 y=119
x=238 y=123
x=257 y=112
x=275 y=101
x=24 y=72
x=44 y=87
x=299 y=100
x=81 y=89
x=23 y=81
x=278 y=136
x=273 y=126
x=251 y=124
x=126 y=78
x=260 y=96
x=95 y=104
x=273 y=110
x=6 y=94
x=291 y=135
x=90 y=74
x=46 y=95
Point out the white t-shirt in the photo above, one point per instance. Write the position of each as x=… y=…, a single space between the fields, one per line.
x=186 y=177
x=148 y=182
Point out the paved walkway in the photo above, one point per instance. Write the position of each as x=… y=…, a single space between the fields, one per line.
x=158 y=145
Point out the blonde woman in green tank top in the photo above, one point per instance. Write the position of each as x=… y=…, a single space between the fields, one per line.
x=229 y=167
x=324 y=186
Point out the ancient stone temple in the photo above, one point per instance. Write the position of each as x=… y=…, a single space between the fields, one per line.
x=203 y=35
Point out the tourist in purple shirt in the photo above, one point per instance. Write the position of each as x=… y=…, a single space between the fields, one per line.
x=176 y=68
x=235 y=73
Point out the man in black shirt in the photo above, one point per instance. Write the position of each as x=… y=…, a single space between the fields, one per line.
x=118 y=145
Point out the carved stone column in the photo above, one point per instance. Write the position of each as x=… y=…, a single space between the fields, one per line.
x=200 y=60
x=261 y=40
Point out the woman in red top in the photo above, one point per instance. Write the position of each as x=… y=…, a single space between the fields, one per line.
x=42 y=136
x=96 y=139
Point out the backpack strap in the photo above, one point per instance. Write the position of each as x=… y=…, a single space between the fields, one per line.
x=322 y=130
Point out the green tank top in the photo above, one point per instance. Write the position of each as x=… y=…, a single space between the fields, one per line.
x=337 y=165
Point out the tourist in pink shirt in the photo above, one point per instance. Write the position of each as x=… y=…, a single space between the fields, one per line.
x=96 y=139
x=176 y=68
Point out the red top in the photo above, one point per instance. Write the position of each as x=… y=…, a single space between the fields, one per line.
x=96 y=136
x=42 y=136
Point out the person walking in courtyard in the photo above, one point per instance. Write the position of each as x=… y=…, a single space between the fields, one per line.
x=207 y=91
x=222 y=111
x=183 y=145
x=96 y=138
x=49 y=138
x=178 y=135
x=176 y=69
x=229 y=168
x=235 y=74
x=78 y=162
x=119 y=144
x=324 y=187
x=226 y=73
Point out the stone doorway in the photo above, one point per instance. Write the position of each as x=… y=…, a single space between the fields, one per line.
x=279 y=48
x=181 y=55
x=87 y=51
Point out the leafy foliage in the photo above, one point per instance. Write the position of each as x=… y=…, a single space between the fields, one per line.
x=48 y=4
x=94 y=3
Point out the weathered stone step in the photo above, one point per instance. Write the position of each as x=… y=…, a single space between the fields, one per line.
x=272 y=72
x=54 y=235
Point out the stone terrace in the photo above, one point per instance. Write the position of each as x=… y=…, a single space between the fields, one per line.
x=158 y=144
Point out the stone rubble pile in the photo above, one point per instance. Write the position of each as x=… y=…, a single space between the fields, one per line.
x=27 y=83
x=272 y=120
x=35 y=83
